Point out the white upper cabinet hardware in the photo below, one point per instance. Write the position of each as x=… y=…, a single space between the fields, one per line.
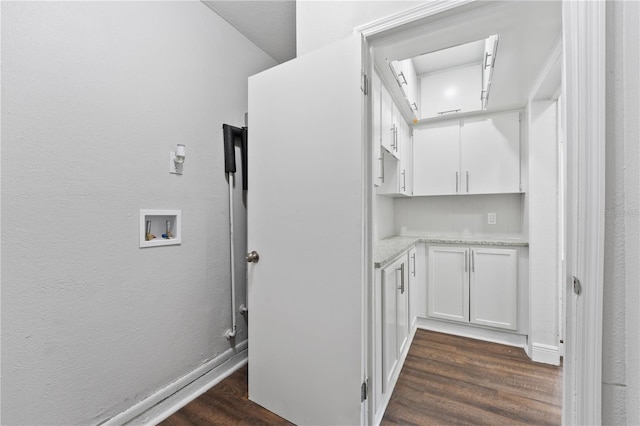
x=473 y=285
x=478 y=155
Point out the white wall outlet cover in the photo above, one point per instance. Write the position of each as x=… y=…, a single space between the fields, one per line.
x=491 y=218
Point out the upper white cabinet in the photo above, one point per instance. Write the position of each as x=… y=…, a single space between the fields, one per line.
x=436 y=159
x=451 y=91
x=490 y=159
x=406 y=77
x=393 y=154
x=406 y=159
x=478 y=155
x=397 y=172
x=388 y=128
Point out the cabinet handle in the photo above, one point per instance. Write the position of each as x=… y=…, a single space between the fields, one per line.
x=413 y=256
x=456 y=182
x=382 y=169
x=404 y=180
x=486 y=56
x=401 y=287
x=393 y=137
x=404 y=80
x=447 y=112
x=465 y=260
x=473 y=261
x=467 y=181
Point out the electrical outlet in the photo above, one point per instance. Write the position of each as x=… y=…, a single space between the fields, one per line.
x=491 y=218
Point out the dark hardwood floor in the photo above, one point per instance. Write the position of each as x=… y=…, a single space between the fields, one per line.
x=446 y=380
x=227 y=403
x=449 y=380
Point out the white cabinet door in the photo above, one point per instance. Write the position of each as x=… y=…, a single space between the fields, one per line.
x=402 y=303
x=436 y=159
x=375 y=130
x=390 y=283
x=451 y=91
x=448 y=284
x=412 y=86
x=490 y=148
x=406 y=159
x=494 y=287
x=301 y=367
x=387 y=127
x=397 y=171
x=418 y=282
x=396 y=119
x=395 y=317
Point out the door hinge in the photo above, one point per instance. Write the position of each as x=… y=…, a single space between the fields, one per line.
x=364 y=390
x=365 y=84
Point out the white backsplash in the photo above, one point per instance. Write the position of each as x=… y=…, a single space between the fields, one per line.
x=464 y=215
x=383 y=214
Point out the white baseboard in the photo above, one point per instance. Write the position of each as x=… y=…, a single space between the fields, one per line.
x=546 y=354
x=168 y=400
x=478 y=333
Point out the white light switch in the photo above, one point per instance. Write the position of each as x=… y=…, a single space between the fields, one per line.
x=491 y=218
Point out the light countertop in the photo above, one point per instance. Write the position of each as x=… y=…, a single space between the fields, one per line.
x=386 y=250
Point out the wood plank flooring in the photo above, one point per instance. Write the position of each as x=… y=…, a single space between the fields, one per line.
x=446 y=380
x=227 y=403
x=449 y=380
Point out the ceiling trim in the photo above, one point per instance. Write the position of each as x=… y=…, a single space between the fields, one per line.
x=408 y=16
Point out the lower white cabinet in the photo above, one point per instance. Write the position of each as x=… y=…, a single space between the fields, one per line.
x=473 y=285
x=395 y=317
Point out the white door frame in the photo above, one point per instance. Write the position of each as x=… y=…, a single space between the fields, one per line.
x=584 y=86
x=584 y=98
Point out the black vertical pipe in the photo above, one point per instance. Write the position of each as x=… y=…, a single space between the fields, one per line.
x=231 y=133
x=245 y=158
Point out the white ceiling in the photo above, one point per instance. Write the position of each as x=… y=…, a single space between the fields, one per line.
x=528 y=32
x=270 y=25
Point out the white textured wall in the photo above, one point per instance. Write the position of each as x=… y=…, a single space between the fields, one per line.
x=544 y=252
x=94 y=96
x=459 y=215
x=621 y=317
x=319 y=23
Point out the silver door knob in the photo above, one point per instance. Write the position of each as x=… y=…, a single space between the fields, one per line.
x=253 y=257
